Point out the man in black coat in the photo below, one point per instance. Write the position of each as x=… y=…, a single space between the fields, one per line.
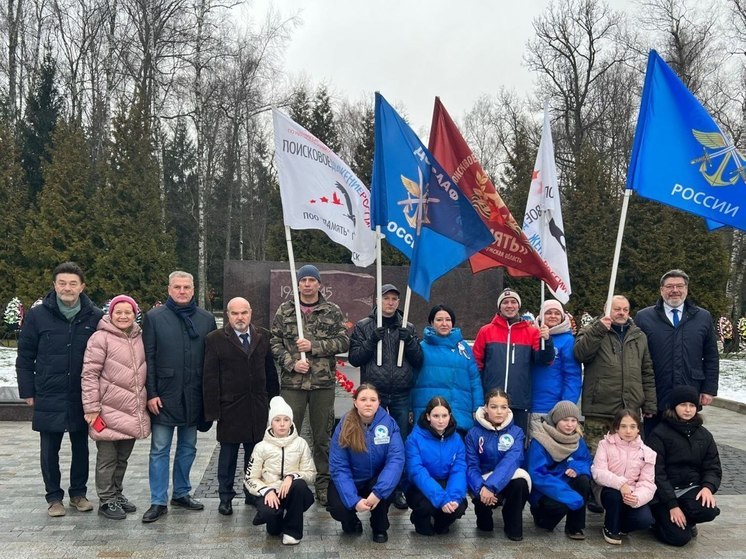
x=682 y=341
x=239 y=380
x=174 y=337
x=50 y=359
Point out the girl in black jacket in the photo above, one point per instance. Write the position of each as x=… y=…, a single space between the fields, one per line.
x=687 y=470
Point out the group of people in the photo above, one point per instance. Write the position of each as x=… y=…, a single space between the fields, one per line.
x=86 y=373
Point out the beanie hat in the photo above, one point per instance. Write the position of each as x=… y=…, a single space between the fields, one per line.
x=508 y=293
x=123 y=299
x=389 y=287
x=278 y=406
x=309 y=271
x=684 y=393
x=563 y=410
x=551 y=304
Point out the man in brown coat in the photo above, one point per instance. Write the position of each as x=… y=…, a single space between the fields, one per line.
x=239 y=379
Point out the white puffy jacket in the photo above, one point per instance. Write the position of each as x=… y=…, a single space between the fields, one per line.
x=275 y=458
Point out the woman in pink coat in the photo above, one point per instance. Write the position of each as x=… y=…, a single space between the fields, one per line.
x=114 y=399
x=625 y=469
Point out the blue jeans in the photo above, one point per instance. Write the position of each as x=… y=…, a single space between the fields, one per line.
x=160 y=451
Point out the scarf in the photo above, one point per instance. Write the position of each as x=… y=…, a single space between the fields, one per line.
x=558 y=445
x=68 y=312
x=185 y=313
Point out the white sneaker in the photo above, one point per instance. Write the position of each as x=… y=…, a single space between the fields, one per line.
x=289 y=540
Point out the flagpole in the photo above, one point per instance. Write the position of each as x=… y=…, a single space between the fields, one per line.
x=379 y=298
x=541 y=318
x=404 y=320
x=294 y=279
x=617 y=251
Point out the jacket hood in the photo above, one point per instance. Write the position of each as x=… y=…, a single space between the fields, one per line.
x=280 y=442
x=615 y=439
x=451 y=340
x=424 y=424
x=499 y=321
x=481 y=417
x=106 y=325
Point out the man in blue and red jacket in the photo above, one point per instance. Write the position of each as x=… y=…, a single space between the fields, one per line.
x=505 y=349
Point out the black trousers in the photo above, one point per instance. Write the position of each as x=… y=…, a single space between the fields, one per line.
x=227 y=460
x=288 y=518
x=426 y=517
x=379 y=516
x=621 y=517
x=513 y=498
x=548 y=512
x=695 y=513
x=50 y=464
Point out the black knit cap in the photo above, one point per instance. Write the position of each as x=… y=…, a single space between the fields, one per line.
x=684 y=393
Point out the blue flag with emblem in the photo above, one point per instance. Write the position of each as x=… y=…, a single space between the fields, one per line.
x=680 y=156
x=418 y=206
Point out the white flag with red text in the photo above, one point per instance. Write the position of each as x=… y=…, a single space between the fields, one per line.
x=542 y=222
x=319 y=191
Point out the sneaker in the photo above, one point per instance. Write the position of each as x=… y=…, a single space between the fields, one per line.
x=112 y=510
x=123 y=502
x=289 y=540
x=381 y=537
x=576 y=535
x=614 y=539
x=81 y=503
x=400 y=501
x=56 y=508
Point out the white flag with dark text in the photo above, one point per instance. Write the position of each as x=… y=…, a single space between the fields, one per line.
x=542 y=222
x=319 y=191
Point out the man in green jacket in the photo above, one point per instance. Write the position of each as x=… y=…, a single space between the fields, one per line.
x=310 y=382
x=618 y=370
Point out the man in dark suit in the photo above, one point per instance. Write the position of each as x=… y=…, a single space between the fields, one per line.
x=238 y=382
x=50 y=359
x=174 y=337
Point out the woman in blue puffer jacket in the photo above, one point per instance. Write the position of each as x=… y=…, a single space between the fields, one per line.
x=448 y=370
x=436 y=469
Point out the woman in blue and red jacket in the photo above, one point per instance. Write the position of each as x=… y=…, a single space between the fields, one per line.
x=436 y=469
x=505 y=350
x=366 y=461
x=494 y=453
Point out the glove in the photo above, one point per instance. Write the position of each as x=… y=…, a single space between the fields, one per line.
x=404 y=334
x=379 y=333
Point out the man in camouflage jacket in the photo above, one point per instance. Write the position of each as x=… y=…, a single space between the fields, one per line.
x=311 y=382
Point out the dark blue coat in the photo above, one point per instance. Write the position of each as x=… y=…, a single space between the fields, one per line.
x=49 y=362
x=432 y=459
x=686 y=355
x=175 y=364
x=384 y=460
x=489 y=449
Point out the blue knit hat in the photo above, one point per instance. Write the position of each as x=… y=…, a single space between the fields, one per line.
x=309 y=271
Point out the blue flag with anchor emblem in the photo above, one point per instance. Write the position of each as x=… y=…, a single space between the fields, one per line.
x=680 y=156
x=418 y=205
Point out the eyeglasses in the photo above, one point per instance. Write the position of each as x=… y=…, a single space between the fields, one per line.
x=669 y=287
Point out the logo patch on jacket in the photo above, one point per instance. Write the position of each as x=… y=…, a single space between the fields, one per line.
x=505 y=442
x=381 y=435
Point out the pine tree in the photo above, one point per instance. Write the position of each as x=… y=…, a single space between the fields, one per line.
x=62 y=228
x=134 y=255
x=43 y=108
x=13 y=195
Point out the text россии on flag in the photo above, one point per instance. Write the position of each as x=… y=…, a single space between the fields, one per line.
x=319 y=191
x=542 y=222
x=680 y=156
x=509 y=247
x=418 y=205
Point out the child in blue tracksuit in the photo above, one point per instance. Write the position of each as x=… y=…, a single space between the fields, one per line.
x=436 y=469
x=494 y=453
x=559 y=464
x=366 y=460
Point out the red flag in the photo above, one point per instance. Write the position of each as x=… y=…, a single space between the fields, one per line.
x=511 y=248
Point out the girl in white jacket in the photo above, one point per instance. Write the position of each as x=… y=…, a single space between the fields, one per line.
x=625 y=469
x=280 y=470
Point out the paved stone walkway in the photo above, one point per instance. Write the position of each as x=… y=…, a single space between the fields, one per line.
x=27 y=532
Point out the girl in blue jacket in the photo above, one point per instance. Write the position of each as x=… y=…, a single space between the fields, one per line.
x=494 y=452
x=436 y=469
x=448 y=370
x=560 y=467
x=366 y=460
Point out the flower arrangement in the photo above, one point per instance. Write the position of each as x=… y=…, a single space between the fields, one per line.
x=342 y=379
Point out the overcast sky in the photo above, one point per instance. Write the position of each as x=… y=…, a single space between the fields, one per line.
x=411 y=50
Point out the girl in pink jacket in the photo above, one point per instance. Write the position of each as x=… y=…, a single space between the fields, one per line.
x=114 y=399
x=625 y=469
